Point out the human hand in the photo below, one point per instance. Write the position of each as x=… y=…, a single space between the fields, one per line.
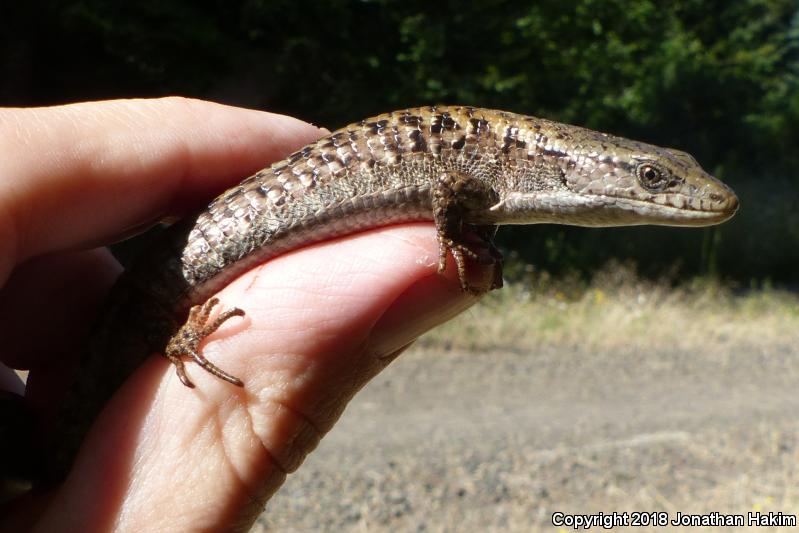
x=320 y=323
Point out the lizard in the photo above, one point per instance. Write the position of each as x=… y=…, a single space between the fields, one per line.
x=466 y=169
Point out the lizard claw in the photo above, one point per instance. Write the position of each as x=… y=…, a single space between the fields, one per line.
x=188 y=338
x=460 y=252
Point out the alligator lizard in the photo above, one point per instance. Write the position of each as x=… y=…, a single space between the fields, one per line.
x=464 y=168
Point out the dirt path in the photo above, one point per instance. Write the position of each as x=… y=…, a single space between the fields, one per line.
x=500 y=441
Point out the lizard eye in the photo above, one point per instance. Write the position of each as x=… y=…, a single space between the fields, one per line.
x=652 y=177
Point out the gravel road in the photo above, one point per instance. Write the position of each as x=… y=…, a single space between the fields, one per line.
x=447 y=441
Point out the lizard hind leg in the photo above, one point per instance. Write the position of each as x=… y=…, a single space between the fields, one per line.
x=186 y=342
x=455 y=196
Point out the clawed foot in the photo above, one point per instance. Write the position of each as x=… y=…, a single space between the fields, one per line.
x=460 y=252
x=455 y=196
x=186 y=342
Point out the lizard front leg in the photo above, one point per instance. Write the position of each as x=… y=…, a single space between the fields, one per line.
x=455 y=195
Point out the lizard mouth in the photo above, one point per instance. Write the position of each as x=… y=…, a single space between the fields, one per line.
x=670 y=214
x=598 y=210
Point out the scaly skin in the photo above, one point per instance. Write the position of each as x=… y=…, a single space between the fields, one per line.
x=457 y=166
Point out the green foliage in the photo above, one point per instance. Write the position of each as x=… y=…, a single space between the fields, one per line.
x=718 y=79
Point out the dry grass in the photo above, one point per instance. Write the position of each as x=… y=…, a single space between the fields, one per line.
x=619 y=309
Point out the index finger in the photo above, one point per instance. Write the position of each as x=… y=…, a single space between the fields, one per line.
x=88 y=173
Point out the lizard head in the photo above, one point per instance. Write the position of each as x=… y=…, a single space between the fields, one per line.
x=649 y=184
x=613 y=181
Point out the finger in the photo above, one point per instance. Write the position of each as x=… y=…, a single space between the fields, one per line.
x=87 y=173
x=48 y=305
x=10 y=381
x=17 y=456
x=320 y=322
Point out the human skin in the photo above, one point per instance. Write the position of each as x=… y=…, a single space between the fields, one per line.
x=321 y=321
